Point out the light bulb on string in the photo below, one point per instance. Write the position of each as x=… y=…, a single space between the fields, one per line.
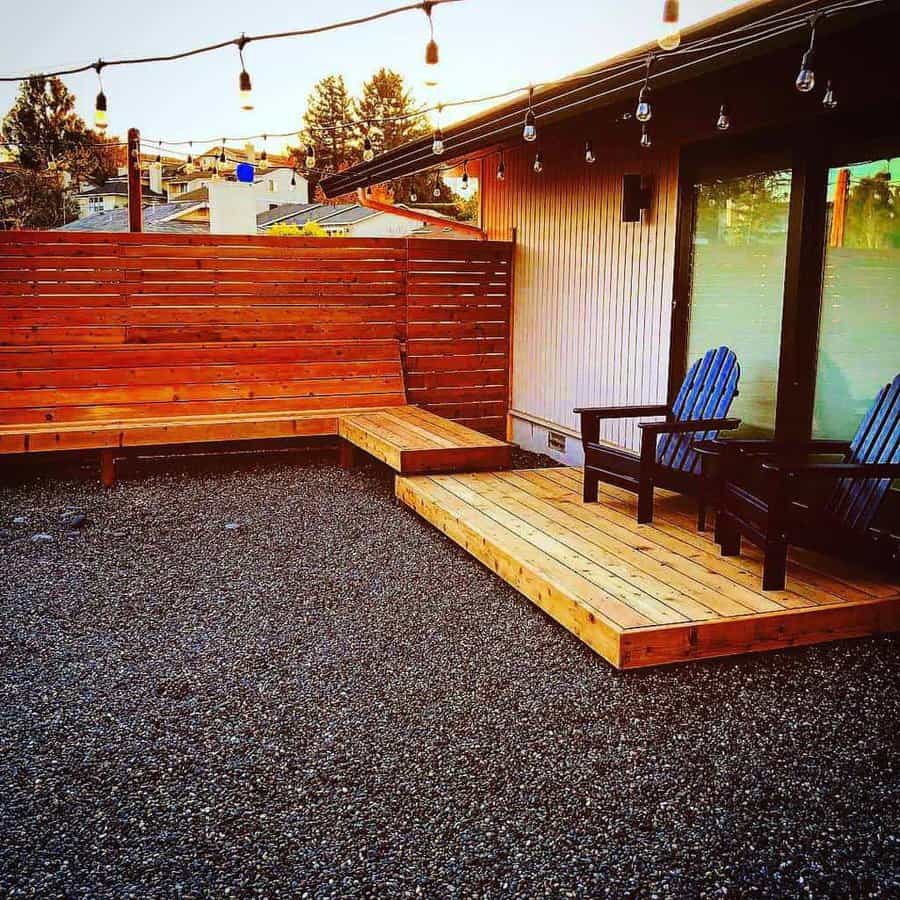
x=645 y=137
x=670 y=36
x=158 y=151
x=589 y=157
x=529 y=131
x=723 y=123
x=222 y=158
x=464 y=187
x=431 y=48
x=264 y=156
x=501 y=168
x=293 y=179
x=436 y=193
x=245 y=89
x=806 y=77
x=368 y=152
x=413 y=196
x=644 y=111
x=829 y=101
x=437 y=142
x=538 y=162
x=100 y=119
x=368 y=190
x=189 y=163
x=310 y=156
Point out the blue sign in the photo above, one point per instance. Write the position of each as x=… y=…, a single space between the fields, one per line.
x=244 y=172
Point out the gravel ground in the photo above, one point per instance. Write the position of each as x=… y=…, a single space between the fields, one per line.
x=330 y=699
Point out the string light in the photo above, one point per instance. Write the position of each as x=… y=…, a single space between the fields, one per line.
x=436 y=193
x=159 y=152
x=645 y=137
x=589 y=157
x=501 y=168
x=644 y=111
x=529 y=132
x=413 y=196
x=245 y=88
x=465 y=177
x=670 y=37
x=437 y=142
x=829 y=101
x=222 y=158
x=293 y=179
x=723 y=123
x=310 y=156
x=806 y=77
x=100 y=119
x=264 y=156
x=189 y=162
x=538 y=162
x=368 y=152
x=431 y=48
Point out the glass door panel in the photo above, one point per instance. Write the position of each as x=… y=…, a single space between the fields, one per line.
x=737 y=284
x=859 y=334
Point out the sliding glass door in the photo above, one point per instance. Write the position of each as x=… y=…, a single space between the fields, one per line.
x=738 y=254
x=859 y=331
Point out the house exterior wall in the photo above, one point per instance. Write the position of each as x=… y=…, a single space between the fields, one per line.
x=384 y=225
x=592 y=294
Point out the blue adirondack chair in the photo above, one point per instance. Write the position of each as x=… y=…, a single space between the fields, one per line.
x=667 y=456
x=779 y=507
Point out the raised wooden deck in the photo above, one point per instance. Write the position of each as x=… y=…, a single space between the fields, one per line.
x=643 y=595
x=414 y=441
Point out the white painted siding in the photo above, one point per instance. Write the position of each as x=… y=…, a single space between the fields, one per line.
x=592 y=299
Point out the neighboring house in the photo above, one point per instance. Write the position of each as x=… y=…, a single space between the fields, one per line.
x=615 y=295
x=113 y=194
x=163 y=218
x=272 y=187
x=347 y=219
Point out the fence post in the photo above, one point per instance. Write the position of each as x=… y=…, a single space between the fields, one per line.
x=135 y=213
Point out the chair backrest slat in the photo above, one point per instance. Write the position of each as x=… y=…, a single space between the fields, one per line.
x=708 y=390
x=855 y=502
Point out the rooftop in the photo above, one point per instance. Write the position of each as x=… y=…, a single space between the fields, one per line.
x=156 y=220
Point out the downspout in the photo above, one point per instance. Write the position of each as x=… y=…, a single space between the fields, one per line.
x=470 y=231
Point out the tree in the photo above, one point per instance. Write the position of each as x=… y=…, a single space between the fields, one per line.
x=307 y=229
x=329 y=103
x=54 y=149
x=30 y=199
x=385 y=98
x=872 y=209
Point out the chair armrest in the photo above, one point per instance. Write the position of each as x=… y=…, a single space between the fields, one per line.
x=691 y=425
x=622 y=412
x=834 y=470
x=767 y=446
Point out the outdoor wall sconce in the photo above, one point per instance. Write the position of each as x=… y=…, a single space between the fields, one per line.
x=635 y=197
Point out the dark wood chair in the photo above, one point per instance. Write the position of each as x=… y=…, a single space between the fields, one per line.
x=770 y=493
x=667 y=457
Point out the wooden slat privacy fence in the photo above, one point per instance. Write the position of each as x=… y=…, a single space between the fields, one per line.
x=171 y=320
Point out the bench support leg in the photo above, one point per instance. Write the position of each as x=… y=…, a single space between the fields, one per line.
x=107 y=467
x=348 y=454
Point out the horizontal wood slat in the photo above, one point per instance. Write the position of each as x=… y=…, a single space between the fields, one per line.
x=95 y=327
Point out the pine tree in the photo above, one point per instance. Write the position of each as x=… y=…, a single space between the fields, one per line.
x=385 y=97
x=329 y=103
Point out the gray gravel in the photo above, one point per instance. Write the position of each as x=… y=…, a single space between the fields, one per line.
x=331 y=699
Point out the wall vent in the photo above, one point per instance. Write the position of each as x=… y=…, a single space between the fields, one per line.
x=556 y=441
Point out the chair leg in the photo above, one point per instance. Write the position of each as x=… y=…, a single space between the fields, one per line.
x=107 y=467
x=729 y=535
x=645 y=500
x=589 y=488
x=774 y=565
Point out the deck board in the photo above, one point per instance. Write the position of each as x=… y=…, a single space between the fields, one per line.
x=414 y=441
x=643 y=595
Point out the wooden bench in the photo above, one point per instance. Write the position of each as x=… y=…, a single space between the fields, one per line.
x=110 y=398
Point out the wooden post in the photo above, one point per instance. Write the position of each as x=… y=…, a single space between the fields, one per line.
x=107 y=467
x=839 y=210
x=135 y=213
x=348 y=454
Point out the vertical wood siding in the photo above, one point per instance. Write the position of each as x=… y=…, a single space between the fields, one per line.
x=592 y=295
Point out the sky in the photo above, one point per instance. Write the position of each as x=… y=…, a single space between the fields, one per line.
x=486 y=46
